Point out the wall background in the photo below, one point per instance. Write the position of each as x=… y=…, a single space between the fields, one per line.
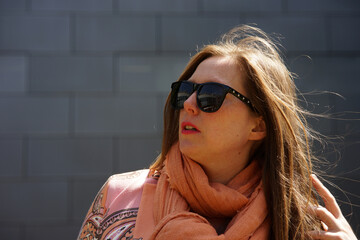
x=83 y=83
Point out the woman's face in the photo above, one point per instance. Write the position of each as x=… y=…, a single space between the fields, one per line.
x=223 y=139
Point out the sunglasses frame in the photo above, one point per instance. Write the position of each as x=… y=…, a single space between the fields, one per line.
x=196 y=87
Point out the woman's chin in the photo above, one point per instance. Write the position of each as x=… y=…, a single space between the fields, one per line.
x=188 y=148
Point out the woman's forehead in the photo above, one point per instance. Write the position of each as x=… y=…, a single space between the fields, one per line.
x=220 y=69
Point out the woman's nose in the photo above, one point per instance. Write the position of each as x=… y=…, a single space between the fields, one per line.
x=190 y=105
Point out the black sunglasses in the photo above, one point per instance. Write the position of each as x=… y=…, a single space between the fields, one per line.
x=209 y=97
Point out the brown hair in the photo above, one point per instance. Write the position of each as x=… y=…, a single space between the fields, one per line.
x=285 y=150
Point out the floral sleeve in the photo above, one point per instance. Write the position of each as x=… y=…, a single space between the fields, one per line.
x=113 y=213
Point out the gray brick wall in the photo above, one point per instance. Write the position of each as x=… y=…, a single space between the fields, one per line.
x=11 y=157
x=337 y=74
x=115 y=33
x=160 y=6
x=34 y=201
x=149 y=73
x=33 y=114
x=344 y=34
x=299 y=33
x=70 y=156
x=181 y=33
x=127 y=114
x=71 y=73
x=34 y=32
x=255 y=6
x=83 y=83
x=13 y=73
x=72 y=5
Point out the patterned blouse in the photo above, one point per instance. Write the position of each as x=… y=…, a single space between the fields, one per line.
x=113 y=213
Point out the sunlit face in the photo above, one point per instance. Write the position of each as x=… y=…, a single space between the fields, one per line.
x=220 y=136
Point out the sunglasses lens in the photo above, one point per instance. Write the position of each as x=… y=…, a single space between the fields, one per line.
x=181 y=91
x=210 y=97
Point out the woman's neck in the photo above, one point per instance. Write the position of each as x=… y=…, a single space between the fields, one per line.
x=223 y=173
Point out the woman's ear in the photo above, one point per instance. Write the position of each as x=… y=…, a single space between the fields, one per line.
x=259 y=130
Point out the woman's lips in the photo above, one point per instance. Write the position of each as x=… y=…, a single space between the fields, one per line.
x=188 y=128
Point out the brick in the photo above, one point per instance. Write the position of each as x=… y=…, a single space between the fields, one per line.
x=34 y=115
x=37 y=33
x=71 y=5
x=335 y=75
x=188 y=33
x=348 y=163
x=324 y=5
x=71 y=73
x=9 y=232
x=13 y=71
x=319 y=104
x=138 y=153
x=157 y=6
x=303 y=68
x=344 y=36
x=10 y=157
x=298 y=33
x=112 y=115
x=84 y=193
x=64 y=156
x=348 y=109
x=329 y=74
x=58 y=232
x=242 y=6
x=154 y=74
x=12 y=5
x=45 y=201
x=349 y=103
x=115 y=33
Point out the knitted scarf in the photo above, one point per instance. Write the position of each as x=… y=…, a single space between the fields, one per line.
x=185 y=198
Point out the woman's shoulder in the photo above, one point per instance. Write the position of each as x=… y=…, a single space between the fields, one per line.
x=124 y=180
x=130 y=175
x=116 y=205
x=127 y=184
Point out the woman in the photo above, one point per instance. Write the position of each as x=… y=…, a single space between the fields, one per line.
x=235 y=161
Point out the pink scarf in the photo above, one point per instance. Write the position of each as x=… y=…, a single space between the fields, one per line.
x=183 y=185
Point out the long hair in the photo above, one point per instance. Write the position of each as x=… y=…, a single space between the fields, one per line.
x=285 y=151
